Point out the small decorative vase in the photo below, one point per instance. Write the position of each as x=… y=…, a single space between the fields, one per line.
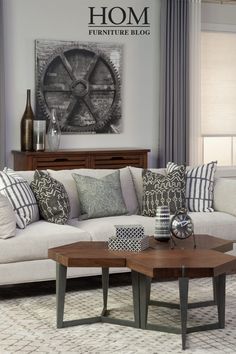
x=26 y=126
x=53 y=132
x=162 y=224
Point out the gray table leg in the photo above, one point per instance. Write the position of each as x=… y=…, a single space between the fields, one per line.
x=183 y=294
x=220 y=299
x=145 y=286
x=214 y=280
x=105 y=285
x=60 y=292
x=136 y=299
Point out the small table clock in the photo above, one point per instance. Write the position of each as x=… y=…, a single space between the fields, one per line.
x=181 y=226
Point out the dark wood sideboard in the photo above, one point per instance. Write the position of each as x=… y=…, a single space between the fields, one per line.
x=81 y=158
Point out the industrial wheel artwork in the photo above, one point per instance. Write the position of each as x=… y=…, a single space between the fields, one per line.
x=83 y=85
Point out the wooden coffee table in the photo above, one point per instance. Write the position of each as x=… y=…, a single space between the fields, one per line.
x=182 y=265
x=91 y=254
x=156 y=262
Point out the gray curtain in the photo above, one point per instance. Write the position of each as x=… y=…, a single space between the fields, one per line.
x=174 y=83
x=2 y=112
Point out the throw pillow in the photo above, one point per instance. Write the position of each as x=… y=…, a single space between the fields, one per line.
x=7 y=217
x=126 y=182
x=136 y=173
x=21 y=197
x=159 y=190
x=54 y=205
x=100 y=197
x=199 y=186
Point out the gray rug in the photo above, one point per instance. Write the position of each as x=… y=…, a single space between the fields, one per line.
x=28 y=323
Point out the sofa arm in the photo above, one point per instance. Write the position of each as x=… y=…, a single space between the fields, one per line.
x=225 y=195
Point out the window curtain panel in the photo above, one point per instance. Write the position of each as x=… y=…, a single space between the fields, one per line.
x=2 y=112
x=195 y=138
x=174 y=83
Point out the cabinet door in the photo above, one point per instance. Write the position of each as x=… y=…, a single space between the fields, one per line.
x=58 y=162
x=118 y=160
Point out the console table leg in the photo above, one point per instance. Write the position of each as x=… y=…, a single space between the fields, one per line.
x=105 y=285
x=60 y=292
x=183 y=294
x=220 y=299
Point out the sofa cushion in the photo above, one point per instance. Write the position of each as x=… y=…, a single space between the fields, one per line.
x=27 y=175
x=217 y=224
x=159 y=190
x=21 y=197
x=52 y=198
x=33 y=242
x=100 y=197
x=7 y=217
x=225 y=195
x=127 y=186
x=136 y=173
x=101 y=229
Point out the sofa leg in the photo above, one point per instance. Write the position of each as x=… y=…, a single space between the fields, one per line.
x=61 y=272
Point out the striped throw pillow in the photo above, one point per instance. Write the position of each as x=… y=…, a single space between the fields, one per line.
x=21 y=197
x=199 y=186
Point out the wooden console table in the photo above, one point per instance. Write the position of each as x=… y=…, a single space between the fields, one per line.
x=81 y=158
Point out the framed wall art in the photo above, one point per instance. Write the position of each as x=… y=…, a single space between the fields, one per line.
x=82 y=81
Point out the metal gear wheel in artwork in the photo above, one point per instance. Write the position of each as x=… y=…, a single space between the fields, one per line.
x=84 y=87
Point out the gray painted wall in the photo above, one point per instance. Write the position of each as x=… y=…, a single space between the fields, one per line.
x=27 y=20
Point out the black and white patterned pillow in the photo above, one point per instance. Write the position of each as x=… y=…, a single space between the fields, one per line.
x=21 y=197
x=52 y=198
x=159 y=190
x=199 y=186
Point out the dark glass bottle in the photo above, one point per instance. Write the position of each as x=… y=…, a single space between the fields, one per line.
x=26 y=126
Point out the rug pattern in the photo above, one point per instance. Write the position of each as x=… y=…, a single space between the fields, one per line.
x=28 y=323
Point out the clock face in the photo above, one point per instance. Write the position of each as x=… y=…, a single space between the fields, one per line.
x=181 y=225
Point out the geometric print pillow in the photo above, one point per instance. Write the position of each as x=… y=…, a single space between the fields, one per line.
x=52 y=198
x=199 y=186
x=160 y=190
x=21 y=197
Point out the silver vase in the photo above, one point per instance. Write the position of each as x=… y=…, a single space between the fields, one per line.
x=162 y=223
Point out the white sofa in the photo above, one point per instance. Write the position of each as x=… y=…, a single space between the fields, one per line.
x=23 y=258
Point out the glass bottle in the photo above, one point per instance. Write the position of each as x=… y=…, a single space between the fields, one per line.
x=53 y=132
x=26 y=125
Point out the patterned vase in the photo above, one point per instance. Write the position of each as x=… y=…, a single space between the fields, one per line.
x=162 y=223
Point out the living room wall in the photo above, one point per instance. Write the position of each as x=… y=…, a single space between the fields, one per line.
x=27 y=20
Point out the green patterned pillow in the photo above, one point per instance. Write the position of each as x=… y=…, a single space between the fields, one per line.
x=100 y=197
x=159 y=190
x=52 y=198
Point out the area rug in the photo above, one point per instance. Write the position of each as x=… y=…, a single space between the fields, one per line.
x=27 y=323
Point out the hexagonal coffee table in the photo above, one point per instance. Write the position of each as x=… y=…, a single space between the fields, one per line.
x=159 y=261
x=182 y=265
